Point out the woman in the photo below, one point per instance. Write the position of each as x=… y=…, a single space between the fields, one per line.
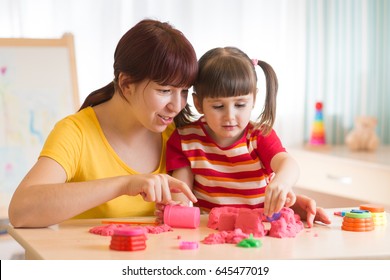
x=121 y=130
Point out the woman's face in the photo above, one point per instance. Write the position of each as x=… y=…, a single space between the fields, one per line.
x=156 y=105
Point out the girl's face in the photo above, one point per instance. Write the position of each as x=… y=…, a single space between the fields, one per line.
x=226 y=117
x=154 y=105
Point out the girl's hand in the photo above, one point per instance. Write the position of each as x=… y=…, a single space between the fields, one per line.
x=276 y=197
x=279 y=190
x=307 y=209
x=157 y=188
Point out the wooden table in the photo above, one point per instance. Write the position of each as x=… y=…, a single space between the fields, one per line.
x=71 y=240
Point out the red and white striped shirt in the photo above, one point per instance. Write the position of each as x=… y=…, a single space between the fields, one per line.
x=231 y=176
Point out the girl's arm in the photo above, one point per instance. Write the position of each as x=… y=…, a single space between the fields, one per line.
x=279 y=191
x=43 y=198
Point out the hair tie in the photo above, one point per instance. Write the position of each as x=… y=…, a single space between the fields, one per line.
x=255 y=61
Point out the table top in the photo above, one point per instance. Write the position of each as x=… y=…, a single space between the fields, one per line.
x=72 y=240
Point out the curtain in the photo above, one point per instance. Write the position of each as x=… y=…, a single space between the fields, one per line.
x=348 y=65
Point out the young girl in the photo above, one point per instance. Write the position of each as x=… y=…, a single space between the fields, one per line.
x=108 y=159
x=227 y=159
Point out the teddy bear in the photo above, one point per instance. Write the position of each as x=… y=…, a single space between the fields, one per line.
x=363 y=136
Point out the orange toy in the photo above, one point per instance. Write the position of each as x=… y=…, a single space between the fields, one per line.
x=358 y=221
x=373 y=208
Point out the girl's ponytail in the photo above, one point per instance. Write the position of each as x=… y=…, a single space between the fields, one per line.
x=267 y=117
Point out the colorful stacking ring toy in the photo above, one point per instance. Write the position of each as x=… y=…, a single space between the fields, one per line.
x=358 y=220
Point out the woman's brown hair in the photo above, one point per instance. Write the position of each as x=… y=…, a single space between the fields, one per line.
x=151 y=50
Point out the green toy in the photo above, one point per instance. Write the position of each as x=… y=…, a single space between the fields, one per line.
x=250 y=242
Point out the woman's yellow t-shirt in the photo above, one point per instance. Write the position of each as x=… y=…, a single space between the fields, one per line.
x=78 y=144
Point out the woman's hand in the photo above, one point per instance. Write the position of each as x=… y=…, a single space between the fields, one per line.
x=158 y=188
x=307 y=209
x=159 y=211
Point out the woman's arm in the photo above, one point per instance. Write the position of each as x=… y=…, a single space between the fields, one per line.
x=43 y=198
